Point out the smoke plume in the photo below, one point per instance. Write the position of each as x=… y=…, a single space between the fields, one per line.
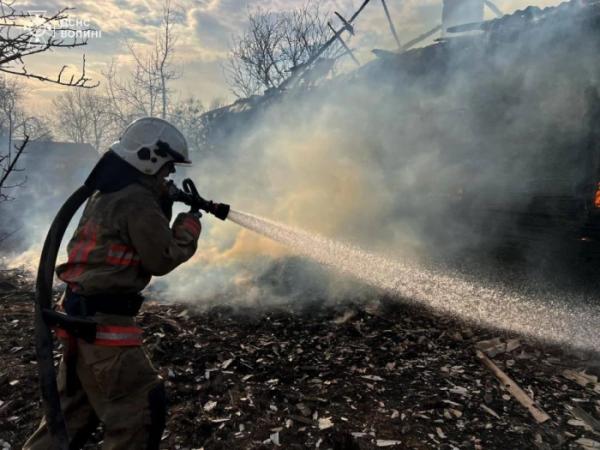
x=428 y=154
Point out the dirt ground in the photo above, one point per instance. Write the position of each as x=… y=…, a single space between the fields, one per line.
x=377 y=375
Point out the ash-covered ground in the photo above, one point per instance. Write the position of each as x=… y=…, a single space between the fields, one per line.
x=347 y=376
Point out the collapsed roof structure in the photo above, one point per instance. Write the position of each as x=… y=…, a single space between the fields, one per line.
x=458 y=17
x=511 y=105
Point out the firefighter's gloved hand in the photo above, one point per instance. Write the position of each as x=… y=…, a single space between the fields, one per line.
x=187 y=226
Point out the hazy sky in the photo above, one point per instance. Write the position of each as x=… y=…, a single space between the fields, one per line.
x=205 y=28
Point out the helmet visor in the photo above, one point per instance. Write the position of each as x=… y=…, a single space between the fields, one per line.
x=178 y=158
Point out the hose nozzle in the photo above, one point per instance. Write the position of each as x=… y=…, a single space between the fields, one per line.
x=219 y=210
x=190 y=196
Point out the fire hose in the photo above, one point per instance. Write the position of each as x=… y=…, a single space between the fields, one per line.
x=110 y=174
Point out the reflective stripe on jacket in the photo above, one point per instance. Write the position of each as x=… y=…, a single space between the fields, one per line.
x=124 y=238
x=111 y=336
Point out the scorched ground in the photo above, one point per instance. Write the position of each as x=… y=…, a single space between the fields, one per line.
x=344 y=376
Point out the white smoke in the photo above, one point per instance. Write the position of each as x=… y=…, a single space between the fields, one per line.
x=380 y=157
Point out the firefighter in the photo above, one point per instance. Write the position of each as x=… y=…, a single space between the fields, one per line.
x=122 y=240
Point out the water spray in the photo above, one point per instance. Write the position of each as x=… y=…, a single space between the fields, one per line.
x=544 y=317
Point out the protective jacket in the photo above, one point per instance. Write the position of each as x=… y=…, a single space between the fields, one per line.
x=123 y=239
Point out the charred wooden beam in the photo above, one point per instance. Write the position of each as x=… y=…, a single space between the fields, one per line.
x=421 y=38
x=322 y=49
x=347 y=25
x=391 y=24
x=341 y=41
x=493 y=8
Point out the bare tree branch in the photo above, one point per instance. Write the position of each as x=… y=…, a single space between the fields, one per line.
x=274 y=45
x=81 y=82
x=23 y=35
x=147 y=86
x=10 y=168
x=188 y=115
x=15 y=123
x=85 y=117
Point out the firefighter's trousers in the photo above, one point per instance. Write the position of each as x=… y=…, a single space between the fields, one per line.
x=115 y=385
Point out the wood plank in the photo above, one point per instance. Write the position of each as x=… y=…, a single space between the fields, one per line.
x=513 y=388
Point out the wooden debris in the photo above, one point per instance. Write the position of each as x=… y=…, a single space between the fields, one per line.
x=325 y=423
x=275 y=438
x=345 y=317
x=343 y=43
x=583 y=379
x=490 y=411
x=377 y=376
x=495 y=346
x=209 y=406
x=591 y=423
x=387 y=442
x=511 y=386
x=391 y=23
x=588 y=444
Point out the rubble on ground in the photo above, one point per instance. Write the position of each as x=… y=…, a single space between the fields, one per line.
x=330 y=377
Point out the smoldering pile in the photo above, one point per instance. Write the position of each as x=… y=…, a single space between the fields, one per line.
x=351 y=376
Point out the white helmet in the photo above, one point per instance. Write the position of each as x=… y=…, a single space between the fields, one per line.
x=149 y=143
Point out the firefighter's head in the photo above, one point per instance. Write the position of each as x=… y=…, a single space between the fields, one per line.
x=153 y=146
